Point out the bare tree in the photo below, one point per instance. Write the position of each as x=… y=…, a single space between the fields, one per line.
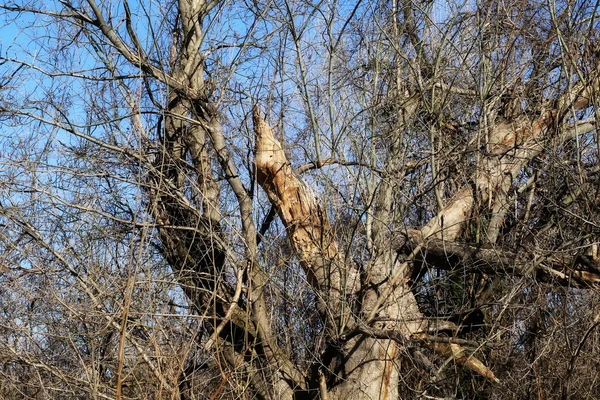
x=286 y=199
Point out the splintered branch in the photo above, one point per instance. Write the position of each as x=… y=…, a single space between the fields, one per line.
x=462 y=357
x=449 y=347
x=306 y=222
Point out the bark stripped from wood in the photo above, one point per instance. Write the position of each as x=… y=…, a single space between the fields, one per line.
x=463 y=358
x=368 y=370
x=512 y=146
x=312 y=238
x=306 y=222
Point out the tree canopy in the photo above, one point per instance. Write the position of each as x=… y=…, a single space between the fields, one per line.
x=299 y=200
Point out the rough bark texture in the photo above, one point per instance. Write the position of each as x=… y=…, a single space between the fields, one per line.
x=444 y=144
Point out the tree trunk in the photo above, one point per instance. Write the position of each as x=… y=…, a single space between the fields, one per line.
x=365 y=367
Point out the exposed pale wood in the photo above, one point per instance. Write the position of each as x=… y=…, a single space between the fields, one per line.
x=463 y=358
x=370 y=361
x=306 y=222
x=310 y=233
